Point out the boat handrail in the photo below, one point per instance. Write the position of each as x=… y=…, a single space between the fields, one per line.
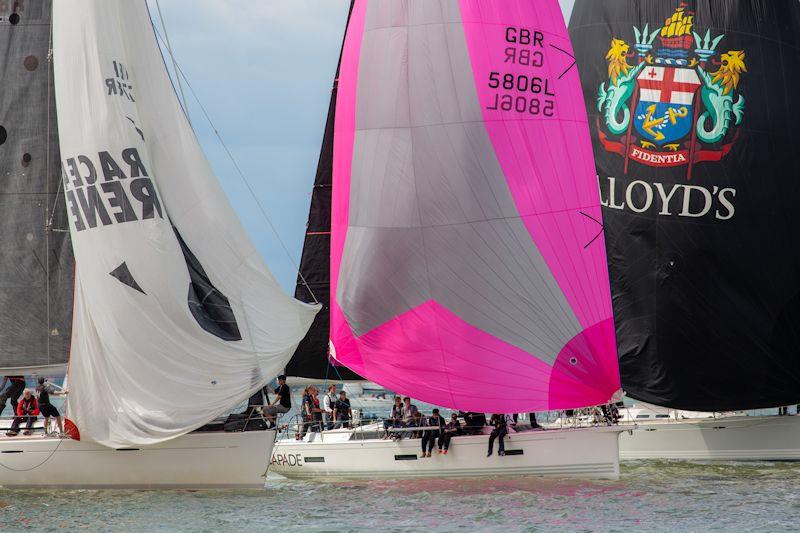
x=296 y=425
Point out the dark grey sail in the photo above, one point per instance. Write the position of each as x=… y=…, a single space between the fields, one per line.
x=311 y=359
x=36 y=262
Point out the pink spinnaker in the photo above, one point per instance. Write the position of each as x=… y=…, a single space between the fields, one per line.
x=468 y=265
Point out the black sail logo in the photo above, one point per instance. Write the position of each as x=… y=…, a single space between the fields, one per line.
x=209 y=307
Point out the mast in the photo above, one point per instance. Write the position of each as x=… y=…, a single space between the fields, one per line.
x=311 y=359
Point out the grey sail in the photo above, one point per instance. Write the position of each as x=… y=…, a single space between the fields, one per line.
x=36 y=261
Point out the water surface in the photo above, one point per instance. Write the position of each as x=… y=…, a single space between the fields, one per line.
x=650 y=496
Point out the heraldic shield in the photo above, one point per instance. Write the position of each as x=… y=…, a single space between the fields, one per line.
x=664 y=115
x=671 y=108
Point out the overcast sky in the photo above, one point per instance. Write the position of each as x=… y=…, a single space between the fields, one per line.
x=263 y=70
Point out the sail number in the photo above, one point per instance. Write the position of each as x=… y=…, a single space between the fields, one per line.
x=539 y=104
x=521 y=83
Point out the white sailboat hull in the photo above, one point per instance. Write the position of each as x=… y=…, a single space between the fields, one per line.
x=585 y=453
x=197 y=460
x=732 y=438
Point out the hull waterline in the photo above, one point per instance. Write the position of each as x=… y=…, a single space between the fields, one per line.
x=197 y=460
x=730 y=438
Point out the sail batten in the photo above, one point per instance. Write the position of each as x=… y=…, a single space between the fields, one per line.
x=466 y=233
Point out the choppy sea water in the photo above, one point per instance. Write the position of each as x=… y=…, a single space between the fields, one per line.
x=651 y=495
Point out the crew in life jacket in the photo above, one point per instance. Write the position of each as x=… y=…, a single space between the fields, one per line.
x=27 y=410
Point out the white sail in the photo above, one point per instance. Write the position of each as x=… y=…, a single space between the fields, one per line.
x=176 y=319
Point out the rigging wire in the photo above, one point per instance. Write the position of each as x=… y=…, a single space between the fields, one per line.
x=46 y=459
x=174 y=63
x=180 y=74
x=47 y=184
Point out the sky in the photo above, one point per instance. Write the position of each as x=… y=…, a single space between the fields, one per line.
x=263 y=71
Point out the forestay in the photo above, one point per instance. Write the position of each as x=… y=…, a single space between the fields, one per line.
x=468 y=263
x=177 y=319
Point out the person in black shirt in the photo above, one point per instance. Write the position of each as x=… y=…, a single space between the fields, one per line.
x=498 y=422
x=342 y=412
x=282 y=402
x=47 y=409
x=430 y=436
x=451 y=429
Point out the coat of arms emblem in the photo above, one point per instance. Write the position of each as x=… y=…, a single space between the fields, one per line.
x=679 y=104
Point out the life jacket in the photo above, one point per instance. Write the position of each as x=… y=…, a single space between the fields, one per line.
x=27 y=407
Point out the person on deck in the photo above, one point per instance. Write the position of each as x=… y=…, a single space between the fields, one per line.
x=27 y=410
x=328 y=402
x=47 y=409
x=430 y=436
x=282 y=403
x=451 y=429
x=12 y=393
x=410 y=417
x=499 y=431
x=395 y=420
x=342 y=412
x=305 y=412
x=316 y=411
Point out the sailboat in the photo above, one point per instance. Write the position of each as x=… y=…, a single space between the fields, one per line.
x=173 y=319
x=693 y=113
x=467 y=258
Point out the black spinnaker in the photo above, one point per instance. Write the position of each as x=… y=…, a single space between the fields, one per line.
x=695 y=121
x=311 y=360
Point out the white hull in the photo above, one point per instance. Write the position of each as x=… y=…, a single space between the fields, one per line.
x=732 y=438
x=196 y=460
x=586 y=453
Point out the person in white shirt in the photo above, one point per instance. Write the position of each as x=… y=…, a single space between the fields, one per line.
x=328 y=402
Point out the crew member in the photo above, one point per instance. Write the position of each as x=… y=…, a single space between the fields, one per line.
x=282 y=402
x=47 y=409
x=499 y=431
x=27 y=410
